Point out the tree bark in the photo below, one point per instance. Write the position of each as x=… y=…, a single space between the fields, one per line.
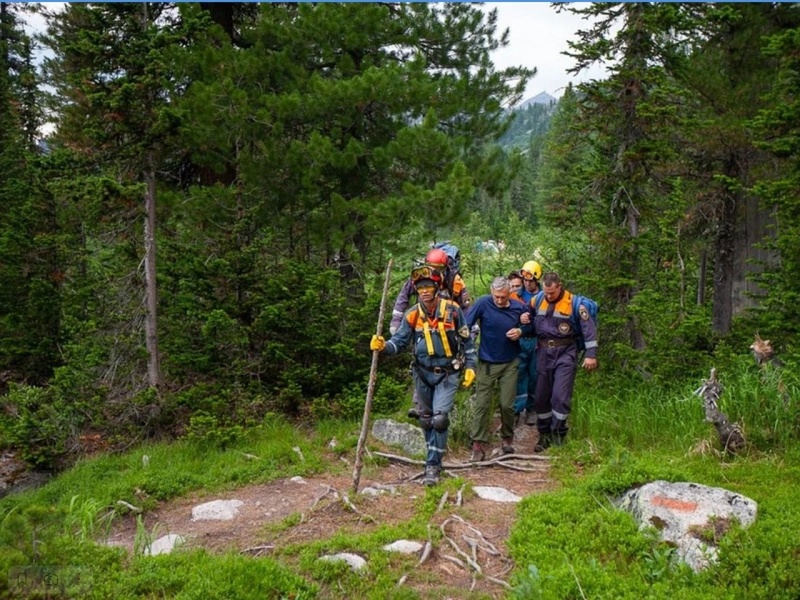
x=151 y=292
x=701 y=279
x=722 y=311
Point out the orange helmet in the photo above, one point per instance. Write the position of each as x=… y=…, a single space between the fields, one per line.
x=436 y=257
x=426 y=273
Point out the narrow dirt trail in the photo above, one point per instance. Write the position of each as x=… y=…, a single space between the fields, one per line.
x=298 y=510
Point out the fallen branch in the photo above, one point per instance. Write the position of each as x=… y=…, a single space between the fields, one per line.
x=442 y=502
x=519 y=468
x=460 y=495
x=455 y=560
x=352 y=507
x=258 y=549
x=730 y=434
x=472 y=563
x=490 y=548
x=130 y=507
x=426 y=553
x=505 y=584
x=328 y=490
x=468 y=465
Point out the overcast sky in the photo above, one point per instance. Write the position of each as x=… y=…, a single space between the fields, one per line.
x=537 y=37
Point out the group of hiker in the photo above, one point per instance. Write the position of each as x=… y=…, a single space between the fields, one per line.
x=531 y=331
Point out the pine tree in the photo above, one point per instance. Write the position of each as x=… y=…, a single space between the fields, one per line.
x=777 y=132
x=626 y=116
x=29 y=299
x=112 y=70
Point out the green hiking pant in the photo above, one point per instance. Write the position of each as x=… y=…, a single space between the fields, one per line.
x=505 y=376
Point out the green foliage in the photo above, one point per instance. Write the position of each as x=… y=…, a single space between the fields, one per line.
x=39 y=422
x=206 y=431
x=587 y=548
x=198 y=575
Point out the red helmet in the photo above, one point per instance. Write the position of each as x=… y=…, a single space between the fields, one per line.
x=436 y=257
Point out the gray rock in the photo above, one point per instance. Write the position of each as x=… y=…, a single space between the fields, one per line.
x=689 y=515
x=354 y=560
x=403 y=435
x=497 y=494
x=164 y=545
x=216 y=510
x=403 y=547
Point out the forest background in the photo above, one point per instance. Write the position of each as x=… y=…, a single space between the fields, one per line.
x=201 y=240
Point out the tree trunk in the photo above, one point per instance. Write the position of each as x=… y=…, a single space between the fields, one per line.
x=151 y=294
x=701 y=279
x=753 y=227
x=722 y=311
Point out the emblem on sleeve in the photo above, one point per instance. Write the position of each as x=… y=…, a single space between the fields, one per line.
x=583 y=313
x=464 y=332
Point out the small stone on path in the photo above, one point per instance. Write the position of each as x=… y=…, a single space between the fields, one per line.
x=164 y=545
x=497 y=494
x=403 y=547
x=216 y=510
x=354 y=560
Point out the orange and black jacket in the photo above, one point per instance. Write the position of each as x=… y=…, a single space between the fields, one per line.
x=436 y=339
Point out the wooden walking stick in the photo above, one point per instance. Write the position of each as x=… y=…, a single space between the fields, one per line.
x=373 y=375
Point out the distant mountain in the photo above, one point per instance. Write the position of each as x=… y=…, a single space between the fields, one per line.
x=540 y=98
x=531 y=119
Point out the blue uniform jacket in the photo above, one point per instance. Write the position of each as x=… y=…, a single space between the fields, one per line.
x=453 y=323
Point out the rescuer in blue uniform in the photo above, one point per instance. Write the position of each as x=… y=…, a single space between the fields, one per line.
x=557 y=358
x=531 y=273
x=443 y=349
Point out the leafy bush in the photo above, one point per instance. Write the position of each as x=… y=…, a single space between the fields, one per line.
x=39 y=423
x=207 y=431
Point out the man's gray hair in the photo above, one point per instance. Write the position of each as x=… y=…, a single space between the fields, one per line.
x=500 y=283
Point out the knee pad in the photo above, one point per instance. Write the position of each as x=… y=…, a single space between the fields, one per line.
x=440 y=421
x=426 y=421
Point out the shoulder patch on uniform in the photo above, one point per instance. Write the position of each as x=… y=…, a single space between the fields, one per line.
x=463 y=331
x=583 y=313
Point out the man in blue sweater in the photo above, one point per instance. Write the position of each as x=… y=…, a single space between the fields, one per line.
x=501 y=329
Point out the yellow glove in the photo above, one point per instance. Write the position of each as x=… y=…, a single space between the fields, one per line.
x=377 y=343
x=469 y=377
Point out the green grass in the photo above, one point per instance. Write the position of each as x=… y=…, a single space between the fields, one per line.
x=571 y=543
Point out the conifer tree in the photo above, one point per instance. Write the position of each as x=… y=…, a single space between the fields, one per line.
x=626 y=115
x=29 y=309
x=351 y=119
x=777 y=132
x=111 y=72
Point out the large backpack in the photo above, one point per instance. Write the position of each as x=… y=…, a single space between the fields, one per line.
x=577 y=300
x=453 y=256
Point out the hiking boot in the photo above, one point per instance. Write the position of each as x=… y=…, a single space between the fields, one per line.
x=431 y=475
x=413 y=413
x=545 y=441
x=530 y=419
x=478 y=452
x=507 y=448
